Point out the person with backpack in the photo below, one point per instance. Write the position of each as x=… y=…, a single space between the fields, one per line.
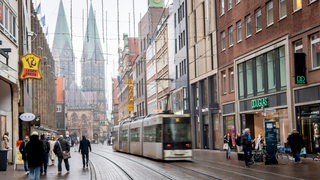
x=246 y=146
x=46 y=149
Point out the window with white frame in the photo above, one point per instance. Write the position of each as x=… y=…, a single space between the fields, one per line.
x=59 y=108
x=230 y=30
x=239 y=31
x=223 y=40
x=229 y=4
x=231 y=80
x=298 y=46
x=258 y=20
x=297 y=4
x=248 y=26
x=282 y=9
x=224 y=82
x=8 y=22
x=269 y=13
x=221 y=7
x=315 y=50
x=237 y=1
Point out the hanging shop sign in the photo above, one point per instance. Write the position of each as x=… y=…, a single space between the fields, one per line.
x=259 y=103
x=27 y=117
x=30 y=66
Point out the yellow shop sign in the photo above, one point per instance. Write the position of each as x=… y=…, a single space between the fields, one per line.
x=30 y=66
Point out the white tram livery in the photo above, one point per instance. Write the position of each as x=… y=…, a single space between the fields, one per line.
x=161 y=136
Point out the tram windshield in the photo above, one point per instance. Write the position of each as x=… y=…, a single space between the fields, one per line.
x=176 y=130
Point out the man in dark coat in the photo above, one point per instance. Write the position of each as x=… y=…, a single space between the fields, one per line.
x=84 y=147
x=296 y=143
x=34 y=150
x=60 y=146
x=46 y=147
x=23 y=153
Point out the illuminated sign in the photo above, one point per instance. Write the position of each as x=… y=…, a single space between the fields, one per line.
x=301 y=80
x=130 y=95
x=30 y=66
x=260 y=102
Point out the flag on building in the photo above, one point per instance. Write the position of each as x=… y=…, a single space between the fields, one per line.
x=43 y=20
x=156 y=3
x=38 y=9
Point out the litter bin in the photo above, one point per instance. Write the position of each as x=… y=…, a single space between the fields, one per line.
x=3 y=160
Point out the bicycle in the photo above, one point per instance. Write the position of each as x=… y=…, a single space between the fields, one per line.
x=282 y=155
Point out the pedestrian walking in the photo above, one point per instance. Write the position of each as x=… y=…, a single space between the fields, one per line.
x=60 y=147
x=227 y=140
x=34 y=150
x=46 y=148
x=246 y=146
x=52 y=156
x=24 y=154
x=296 y=143
x=84 y=148
x=238 y=142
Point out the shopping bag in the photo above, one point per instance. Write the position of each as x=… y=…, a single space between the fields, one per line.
x=66 y=154
x=225 y=146
x=303 y=151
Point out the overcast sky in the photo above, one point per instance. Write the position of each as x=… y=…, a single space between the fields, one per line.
x=49 y=9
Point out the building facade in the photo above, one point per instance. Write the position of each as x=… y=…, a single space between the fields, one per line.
x=256 y=55
x=203 y=68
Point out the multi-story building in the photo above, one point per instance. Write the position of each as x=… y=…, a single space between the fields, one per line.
x=203 y=68
x=126 y=94
x=43 y=90
x=177 y=52
x=146 y=28
x=259 y=45
x=9 y=68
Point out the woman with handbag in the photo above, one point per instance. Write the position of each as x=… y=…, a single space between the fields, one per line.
x=62 y=151
x=227 y=145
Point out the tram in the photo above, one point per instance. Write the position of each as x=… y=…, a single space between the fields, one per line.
x=161 y=136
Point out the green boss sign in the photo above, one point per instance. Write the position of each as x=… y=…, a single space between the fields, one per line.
x=260 y=102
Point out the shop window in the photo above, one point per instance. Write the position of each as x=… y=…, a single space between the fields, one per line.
x=241 y=80
x=271 y=71
x=315 y=50
x=204 y=92
x=249 y=79
x=229 y=127
x=283 y=70
x=260 y=76
x=282 y=9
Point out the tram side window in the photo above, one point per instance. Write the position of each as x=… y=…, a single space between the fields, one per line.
x=115 y=135
x=135 y=135
x=124 y=135
x=152 y=133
